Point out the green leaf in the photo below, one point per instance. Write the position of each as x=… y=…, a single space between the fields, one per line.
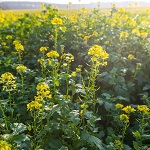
x=108 y=106
x=63 y=148
x=94 y=141
x=74 y=116
x=18 y=128
x=136 y=145
x=146 y=87
x=20 y=138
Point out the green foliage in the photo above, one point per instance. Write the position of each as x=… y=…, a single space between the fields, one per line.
x=55 y=94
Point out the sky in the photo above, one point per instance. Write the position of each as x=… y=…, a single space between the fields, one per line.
x=76 y=1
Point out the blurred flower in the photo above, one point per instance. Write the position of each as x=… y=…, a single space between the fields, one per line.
x=8 y=80
x=4 y=145
x=21 y=68
x=118 y=145
x=143 y=109
x=124 y=35
x=8 y=37
x=42 y=6
x=55 y=7
x=130 y=56
x=56 y=21
x=83 y=9
x=98 y=55
x=124 y=118
x=143 y=35
x=34 y=105
x=19 y=47
x=52 y=54
x=73 y=74
x=42 y=49
x=119 y=106
x=68 y=57
x=128 y=109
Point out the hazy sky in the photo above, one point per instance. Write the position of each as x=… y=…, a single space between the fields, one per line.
x=76 y=1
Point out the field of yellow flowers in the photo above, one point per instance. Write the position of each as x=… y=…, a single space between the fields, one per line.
x=77 y=82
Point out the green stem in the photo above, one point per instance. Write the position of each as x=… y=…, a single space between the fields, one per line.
x=56 y=36
x=22 y=82
x=19 y=57
x=4 y=117
x=67 y=81
x=124 y=131
x=34 y=129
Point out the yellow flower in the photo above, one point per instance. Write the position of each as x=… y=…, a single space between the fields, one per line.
x=121 y=10
x=52 y=54
x=43 y=90
x=130 y=56
x=55 y=7
x=65 y=64
x=143 y=109
x=128 y=109
x=42 y=49
x=118 y=145
x=119 y=106
x=78 y=69
x=143 y=35
x=136 y=32
x=19 y=47
x=124 y=35
x=124 y=118
x=34 y=105
x=113 y=5
x=16 y=42
x=42 y=6
x=73 y=74
x=68 y=57
x=8 y=80
x=98 y=55
x=83 y=9
x=4 y=145
x=56 y=21
x=8 y=37
x=21 y=68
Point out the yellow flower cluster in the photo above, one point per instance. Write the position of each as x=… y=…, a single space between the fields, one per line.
x=34 y=105
x=119 y=106
x=43 y=90
x=130 y=56
x=57 y=21
x=143 y=109
x=84 y=108
x=124 y=117
x=118 y=145
x=124 y=35
x=98 y=55
x=42 y=49
x=73 y=74
x=9 y=80
x=4 y=145
x=78 y=69
x=73 y=18
x=68 y=57
x=83 y=9
x=42 y=6
x=52 y=54
x=128 y=109
x=21 y=68
x=42 y=62
x=18 y=45
x=8 y=37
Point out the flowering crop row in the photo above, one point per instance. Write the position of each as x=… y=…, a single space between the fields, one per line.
x=75 y=82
